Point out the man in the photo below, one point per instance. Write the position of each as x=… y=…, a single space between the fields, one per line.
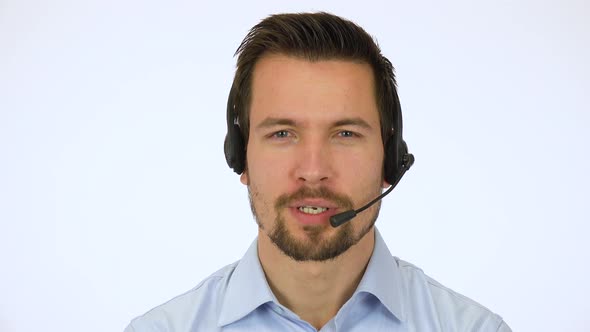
x=314 y=129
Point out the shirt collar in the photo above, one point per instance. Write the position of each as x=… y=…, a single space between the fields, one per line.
x=382 y=279
x=246 y=290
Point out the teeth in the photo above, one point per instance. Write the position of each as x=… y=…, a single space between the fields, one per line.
x=312 y=209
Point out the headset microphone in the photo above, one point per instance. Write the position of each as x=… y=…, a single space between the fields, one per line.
x=340 y=218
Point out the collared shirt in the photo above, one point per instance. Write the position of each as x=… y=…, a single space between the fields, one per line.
x=393 y=295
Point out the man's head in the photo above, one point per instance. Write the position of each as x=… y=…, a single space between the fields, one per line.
x=314 y=101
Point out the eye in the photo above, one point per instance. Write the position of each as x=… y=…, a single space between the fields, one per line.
x=280 y=134
x=347 y=133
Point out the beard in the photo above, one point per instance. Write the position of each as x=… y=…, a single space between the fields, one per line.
x=315 y=247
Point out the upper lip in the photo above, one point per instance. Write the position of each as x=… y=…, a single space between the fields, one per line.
x=317 y=202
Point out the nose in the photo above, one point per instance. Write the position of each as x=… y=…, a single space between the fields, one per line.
x=314 y=162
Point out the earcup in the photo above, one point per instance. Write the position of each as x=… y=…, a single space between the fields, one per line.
x=234 y=149
x=397 y=159
x=391 y=160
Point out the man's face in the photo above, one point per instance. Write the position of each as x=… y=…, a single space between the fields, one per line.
x=314 y=150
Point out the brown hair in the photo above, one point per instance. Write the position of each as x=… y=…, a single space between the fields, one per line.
x=312 y=36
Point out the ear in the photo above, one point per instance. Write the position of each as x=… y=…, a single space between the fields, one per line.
x=244 y=178
x=385 y=184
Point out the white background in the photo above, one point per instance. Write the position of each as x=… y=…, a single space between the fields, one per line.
x=115 y=195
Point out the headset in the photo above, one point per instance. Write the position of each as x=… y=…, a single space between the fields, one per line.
x=397 y=160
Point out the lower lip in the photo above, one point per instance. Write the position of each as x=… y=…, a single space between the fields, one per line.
x=312 y=219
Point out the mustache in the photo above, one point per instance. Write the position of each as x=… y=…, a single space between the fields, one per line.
x=340 y=200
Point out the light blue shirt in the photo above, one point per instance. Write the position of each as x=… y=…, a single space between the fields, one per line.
x=392 y=296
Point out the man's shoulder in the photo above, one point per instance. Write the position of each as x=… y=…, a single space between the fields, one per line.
x=178 y=314
x=455 y=311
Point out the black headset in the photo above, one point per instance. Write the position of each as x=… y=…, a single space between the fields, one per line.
x=397 y=159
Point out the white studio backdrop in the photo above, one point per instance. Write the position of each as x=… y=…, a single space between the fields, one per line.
x=115 y=195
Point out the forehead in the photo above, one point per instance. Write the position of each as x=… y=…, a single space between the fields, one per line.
x=295 y=87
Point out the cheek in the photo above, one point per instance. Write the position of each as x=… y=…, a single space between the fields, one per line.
x=266 y=169
x=262 y=203
x=361 y=166
x=364 y=175
x=265 y=178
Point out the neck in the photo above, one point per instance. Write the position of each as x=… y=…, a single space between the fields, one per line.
x=315 y=291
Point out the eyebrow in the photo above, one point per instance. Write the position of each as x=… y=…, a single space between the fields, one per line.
x=353 y=122
x=271 y=122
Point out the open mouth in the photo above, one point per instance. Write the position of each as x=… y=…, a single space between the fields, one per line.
x=312 y=209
